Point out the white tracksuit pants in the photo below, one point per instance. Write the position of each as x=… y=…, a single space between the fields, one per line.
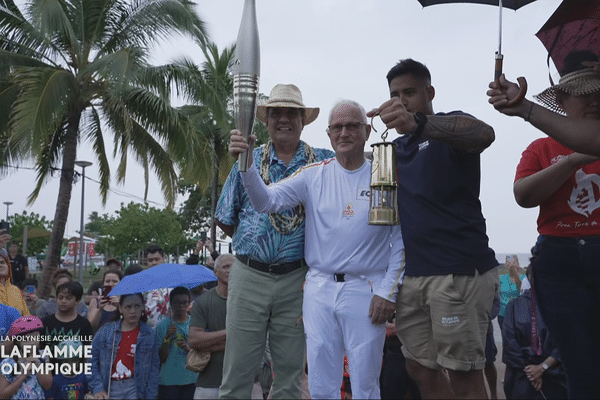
x=336 y=318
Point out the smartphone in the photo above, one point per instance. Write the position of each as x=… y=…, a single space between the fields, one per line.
x=105 y=290
x=5 y=226
x=203 y=236
x=511 y=257
x=30 y=289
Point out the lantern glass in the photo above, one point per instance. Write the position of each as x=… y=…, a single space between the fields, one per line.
x=383 y=210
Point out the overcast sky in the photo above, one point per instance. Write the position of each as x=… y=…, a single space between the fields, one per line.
x=342 y=49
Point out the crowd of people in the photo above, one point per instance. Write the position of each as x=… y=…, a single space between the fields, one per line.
x=322 y=304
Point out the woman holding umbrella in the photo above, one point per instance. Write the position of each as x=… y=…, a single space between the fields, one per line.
x=561 y=175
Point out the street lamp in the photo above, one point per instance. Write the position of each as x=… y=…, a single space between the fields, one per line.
x=8 y=203
x=82 y=164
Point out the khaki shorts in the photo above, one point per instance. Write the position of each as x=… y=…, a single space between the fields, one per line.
x=442 y=320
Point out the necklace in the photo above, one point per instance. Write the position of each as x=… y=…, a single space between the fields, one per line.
x=284 y=224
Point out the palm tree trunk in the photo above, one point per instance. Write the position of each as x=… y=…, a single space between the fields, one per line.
x=62 y=203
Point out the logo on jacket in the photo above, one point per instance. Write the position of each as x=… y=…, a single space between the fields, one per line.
x=348 y=211
x=585 y=197
x=451 y=321
x=423 y=145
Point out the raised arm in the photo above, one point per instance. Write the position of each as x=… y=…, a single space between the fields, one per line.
x=581 y=135
x=276 y=197
x=95 y=310
x=462 y=132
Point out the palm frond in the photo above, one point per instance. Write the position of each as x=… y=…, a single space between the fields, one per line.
x=53 y=20
x=119 y=69
x=145 y=22
x=92 y=131
x=156 y=115
x=45 y=96
x=46 y=160
x=17 y=35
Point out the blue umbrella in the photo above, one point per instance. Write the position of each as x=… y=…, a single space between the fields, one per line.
x=164 y=276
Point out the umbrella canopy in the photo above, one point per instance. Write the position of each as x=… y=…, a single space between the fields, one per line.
x=575 y=25
x=164 y=276
x=512 y=4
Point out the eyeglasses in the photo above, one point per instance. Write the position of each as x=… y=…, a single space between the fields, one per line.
x=352 y=127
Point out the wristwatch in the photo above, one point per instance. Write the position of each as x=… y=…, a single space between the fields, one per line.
x=421 y=120
x=545 y=366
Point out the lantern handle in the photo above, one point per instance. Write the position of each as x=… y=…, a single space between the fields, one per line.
x=384 y=135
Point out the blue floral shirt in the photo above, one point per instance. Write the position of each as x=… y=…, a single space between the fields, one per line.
x=254 y=236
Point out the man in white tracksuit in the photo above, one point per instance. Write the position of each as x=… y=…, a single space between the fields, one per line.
x=354 y=270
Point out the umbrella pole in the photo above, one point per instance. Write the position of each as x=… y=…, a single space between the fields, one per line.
x=498 y=65
x=499 y=56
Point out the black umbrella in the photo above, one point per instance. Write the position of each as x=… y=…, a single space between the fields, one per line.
x=512 y=4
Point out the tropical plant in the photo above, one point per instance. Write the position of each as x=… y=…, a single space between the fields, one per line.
x=210 y=92
x=68 y=69
x=38 y=231
x=195 y=212
x=97 y=222
x=137 y=225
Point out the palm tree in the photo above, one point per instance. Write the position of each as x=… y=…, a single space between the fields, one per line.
x=210 y=90
x=69 y=68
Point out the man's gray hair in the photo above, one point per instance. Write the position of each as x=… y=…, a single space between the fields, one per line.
x=220 y=258
x=349 y=103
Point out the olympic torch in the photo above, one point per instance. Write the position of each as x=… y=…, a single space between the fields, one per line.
x=246 y=72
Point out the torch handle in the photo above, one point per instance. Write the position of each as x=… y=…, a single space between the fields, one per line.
x=245 y=91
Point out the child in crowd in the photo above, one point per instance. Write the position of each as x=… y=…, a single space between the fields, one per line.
x=24 y=333
x=72 y=385
x=50 y=307
x=172 y=336
x=66 y=323
x=29 y=288
x=125 y=361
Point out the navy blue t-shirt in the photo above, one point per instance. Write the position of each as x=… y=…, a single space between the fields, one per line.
x=74 y=387
x=438 y=201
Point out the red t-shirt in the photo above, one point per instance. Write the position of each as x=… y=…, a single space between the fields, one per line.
x=573 y=210
x=125 y=358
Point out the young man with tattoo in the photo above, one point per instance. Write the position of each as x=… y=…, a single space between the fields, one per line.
x=451 y=275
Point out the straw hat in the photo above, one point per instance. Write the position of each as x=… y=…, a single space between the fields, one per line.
x=286 y=96
x=577 y=83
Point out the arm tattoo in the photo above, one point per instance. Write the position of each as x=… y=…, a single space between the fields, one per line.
x=460 y=131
